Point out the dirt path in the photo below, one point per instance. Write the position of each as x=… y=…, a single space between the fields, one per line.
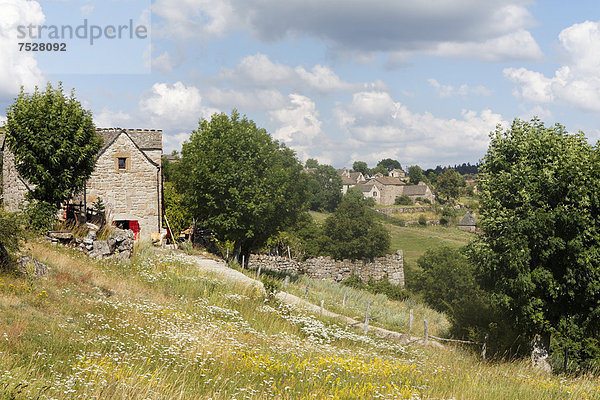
x=221 y=269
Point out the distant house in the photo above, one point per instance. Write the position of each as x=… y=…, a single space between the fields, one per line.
x=127 y=177
x=357 y=177
x=467 y=223
x=372 y=190
x=421 y=191
x=390 y=189
x=397 y=173
x=347 y=183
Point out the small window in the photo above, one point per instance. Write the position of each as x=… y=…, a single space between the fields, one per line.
x=122 y=161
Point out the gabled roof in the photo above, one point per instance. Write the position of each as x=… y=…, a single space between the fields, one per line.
x=145 y=139
x=356 y=175
x=415 y=190
x=467 y=220
x=348 y=181
x=389 y=180
x=110 y=135
x=366 y=187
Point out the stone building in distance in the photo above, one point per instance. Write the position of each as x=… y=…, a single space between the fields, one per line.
x=127 y=177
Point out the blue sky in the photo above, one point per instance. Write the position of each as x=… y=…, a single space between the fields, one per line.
x=338 y=80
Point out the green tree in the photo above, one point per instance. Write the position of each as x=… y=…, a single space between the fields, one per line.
x=389 y=164
x=352 y=231
x=54 y=142
x=10 y=235
x=326 y=188
x=239 y=182
x=174 y=209
x=311 y=163
x=448 y=184
x=169 y=167
x=379 y=169
x=540 y=211
x=415 y=173
x=361 y=166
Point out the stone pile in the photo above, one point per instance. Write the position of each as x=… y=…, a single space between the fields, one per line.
x=390 y=266
x=118 y=245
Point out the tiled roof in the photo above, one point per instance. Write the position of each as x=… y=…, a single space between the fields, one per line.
x=145 y=139
x=415 y=190
x=348 y=181
x=365 y=187
x=389 y=180
x=467 y=220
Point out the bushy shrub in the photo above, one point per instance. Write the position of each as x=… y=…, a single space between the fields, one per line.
x=40 y=216
x=422 y=220
x=383 y=286
x=10 y=235
x=403 y=200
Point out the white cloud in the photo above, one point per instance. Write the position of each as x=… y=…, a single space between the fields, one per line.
x=112 y=119
x=373 y=120
x=163 y=62
x=259 y=99
x=18 y=68
x=400 y=28
x=462 y=90
x=174 y=105
x=577 y=83
x=259 y=71
x=195 y=19
x=3 y=120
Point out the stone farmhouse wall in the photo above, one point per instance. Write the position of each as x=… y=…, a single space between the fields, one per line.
x=14 y=189
x=129 y=194
x=390 y=266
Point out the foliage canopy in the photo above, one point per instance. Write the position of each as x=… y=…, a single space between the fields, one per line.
x=352 y=231
x=54 y=142
x=540 y=211
x=239 y=182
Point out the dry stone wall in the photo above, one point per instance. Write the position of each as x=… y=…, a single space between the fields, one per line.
x=14 y=190
x=390 y=266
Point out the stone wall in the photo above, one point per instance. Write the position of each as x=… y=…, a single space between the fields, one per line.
x=13 y=187
x=129 y=194
x=390 y=266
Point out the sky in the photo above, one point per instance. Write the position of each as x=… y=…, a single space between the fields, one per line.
x=423 y=82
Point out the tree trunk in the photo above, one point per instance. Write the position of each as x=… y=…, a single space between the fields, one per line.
x=540 y=352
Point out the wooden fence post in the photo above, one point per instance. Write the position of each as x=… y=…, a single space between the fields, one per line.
x=344 y=299
x=566 y=359
x=286 y=282
x=289 y=253
x=426 y=331
x=484 y=346
x=367 y=316
x=243 y=262
x=258 y=272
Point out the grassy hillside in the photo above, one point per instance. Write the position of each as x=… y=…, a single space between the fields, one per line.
x=158 y=328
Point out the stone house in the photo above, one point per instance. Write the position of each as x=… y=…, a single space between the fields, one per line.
x=347 y=183
x=467 y=223
x=390 y=189
x=371 y=189
x=397 y=173
x=127 y=177
x=421 y=190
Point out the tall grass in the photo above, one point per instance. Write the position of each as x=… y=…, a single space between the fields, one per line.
x=159 y=328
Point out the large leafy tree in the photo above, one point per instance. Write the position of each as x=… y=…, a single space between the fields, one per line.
x=389 y=164
x=54 y=142
x=448 y=184
x=352 y=231
x=539 y=209
x=239 y=182
x=361 y=166
x=326 y=188
x=415 y=173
